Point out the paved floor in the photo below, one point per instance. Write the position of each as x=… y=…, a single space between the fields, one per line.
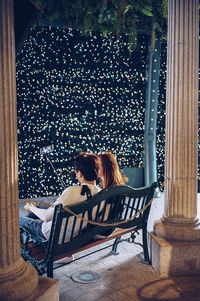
x=124 y=276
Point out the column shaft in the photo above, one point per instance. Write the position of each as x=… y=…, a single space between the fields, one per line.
x=182 y=111
x=17 y=279
x=179 y=219
x=176 y=238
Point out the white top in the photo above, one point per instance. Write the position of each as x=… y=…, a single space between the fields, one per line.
x=70 y=195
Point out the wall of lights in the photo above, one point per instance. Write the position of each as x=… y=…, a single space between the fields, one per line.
x=161 y=113
x=79 y=94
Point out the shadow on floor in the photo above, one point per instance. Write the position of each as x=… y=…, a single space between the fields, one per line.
x=173 y=289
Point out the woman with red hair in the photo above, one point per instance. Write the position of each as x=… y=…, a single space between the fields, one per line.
x=109 y=174
x=109 y=171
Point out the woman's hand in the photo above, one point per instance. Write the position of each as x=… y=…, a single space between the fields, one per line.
x=27 y=207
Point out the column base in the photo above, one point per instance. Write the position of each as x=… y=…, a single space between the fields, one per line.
x=25 y=285
x=18 y=284
x=173 y=258
x=48 y=289
x=176 y=230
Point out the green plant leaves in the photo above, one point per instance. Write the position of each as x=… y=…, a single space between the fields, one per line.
x=116 y=16
x=147 y=10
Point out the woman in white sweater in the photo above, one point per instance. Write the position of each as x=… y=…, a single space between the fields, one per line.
x=86 y=167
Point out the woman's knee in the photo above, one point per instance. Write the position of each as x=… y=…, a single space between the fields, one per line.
x=24 y=221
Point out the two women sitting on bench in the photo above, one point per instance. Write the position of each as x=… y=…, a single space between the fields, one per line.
x=88 y=168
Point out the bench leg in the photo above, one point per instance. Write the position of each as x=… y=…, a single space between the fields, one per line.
x=145 y=246
x=115 y=245
x=50 y=269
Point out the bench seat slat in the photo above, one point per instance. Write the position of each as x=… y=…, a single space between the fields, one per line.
x=39 y=252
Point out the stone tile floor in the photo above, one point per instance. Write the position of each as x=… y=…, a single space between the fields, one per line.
x=125 y=278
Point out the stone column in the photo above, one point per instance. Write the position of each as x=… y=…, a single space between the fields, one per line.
x=176 y=238
x=18 y=280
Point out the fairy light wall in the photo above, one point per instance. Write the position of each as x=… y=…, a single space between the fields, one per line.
x=79 y=94
x=160 y=133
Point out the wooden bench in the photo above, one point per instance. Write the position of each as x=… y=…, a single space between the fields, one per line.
x=116 y=206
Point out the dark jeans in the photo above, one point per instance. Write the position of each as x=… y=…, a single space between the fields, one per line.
x=34 y=224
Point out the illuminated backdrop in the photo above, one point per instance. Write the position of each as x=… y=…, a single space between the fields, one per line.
x=160 y=133
x=79 y=94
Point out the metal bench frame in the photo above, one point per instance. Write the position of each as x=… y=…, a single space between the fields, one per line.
x=115 y=205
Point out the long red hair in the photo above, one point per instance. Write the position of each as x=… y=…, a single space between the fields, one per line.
x=109 y=171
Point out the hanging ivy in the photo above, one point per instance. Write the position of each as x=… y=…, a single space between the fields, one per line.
x=117 y=16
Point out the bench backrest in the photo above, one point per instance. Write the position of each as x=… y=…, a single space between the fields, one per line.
x=110 y=205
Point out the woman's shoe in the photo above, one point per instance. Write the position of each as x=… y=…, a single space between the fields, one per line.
x=65 y=259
